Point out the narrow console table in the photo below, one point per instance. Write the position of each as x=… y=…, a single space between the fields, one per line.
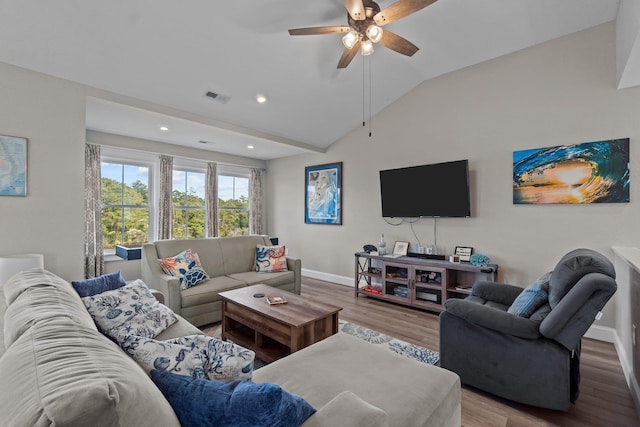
x=417 y=282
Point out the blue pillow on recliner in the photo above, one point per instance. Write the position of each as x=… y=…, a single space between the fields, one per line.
x=201 y=402
x=98 y=285
x=532 y=298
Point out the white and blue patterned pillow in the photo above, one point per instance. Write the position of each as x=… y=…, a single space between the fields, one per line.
x=532 y=297
x=129 y=310
x=196 y=356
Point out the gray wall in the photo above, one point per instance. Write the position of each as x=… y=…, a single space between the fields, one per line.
x=560 y=92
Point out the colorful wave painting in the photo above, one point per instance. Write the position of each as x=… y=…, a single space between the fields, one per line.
x=593 y=172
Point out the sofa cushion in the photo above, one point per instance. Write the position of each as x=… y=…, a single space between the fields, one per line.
x=347 y=409
x=130 y=310
x=65 y=374
x=271 y=279
x=196 y=356
x=208 y=291
x=270 y=259
x=429 y=396
x=532 y=297
x=199 y=402
x=97 y=285
x=39 y=297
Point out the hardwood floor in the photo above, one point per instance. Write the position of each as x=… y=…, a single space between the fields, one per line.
x=605 y=399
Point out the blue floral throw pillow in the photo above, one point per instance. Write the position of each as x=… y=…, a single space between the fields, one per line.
x=186 y=267
x=270 y=259
x=196 y=356
x=532 y=298
x=97 y=285
x=129 y=310
x=200 y=402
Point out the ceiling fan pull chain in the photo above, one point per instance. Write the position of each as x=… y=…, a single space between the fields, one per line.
x=369 y=96
x=364 y=101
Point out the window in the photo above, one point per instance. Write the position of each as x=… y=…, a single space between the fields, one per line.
x=189 y=217
x=125 y=204
x=233 y=205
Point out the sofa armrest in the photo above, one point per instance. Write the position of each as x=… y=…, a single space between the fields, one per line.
x=496 y=292
x=295 y=265
x=492 y=318
x=155 y=278
x=347 y=410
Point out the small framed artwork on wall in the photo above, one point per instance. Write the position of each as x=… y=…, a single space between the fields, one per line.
x=323 y=194
x=13 y=166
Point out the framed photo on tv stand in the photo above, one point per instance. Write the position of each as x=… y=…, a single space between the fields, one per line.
x=463 y=252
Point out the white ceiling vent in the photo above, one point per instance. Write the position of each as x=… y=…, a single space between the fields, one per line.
x=218 y=97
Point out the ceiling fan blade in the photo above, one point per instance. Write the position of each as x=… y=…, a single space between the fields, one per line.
x=355 y=9
x=397 y=43
x=399 y=10
x=318 y=30
x=348 y=55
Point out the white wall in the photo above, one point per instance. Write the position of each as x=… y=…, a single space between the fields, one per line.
x=560 y=92
x=50 y=220
x=50 y=112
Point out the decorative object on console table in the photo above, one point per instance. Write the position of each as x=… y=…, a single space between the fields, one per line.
x=479 y=260
x=463 y=252
x=13 y=166
x=323 y=194
x=128 y=253
x=400 y=248
x=12 y=264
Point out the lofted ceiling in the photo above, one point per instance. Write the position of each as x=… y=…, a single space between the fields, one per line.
x=160 y=57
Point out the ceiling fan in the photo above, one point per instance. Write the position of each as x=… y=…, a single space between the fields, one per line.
x=365 y=20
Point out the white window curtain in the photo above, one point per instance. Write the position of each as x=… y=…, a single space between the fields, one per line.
x=93 y=257
x=212 y=199
x=255 y=202
x=165 y=208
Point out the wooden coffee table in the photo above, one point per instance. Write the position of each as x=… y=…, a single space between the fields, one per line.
x=274 y=331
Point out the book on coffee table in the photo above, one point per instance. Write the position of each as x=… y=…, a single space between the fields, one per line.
x=276 y=300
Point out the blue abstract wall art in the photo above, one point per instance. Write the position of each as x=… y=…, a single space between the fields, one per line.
x=592 y=172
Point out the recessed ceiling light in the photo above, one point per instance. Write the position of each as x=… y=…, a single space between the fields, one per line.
x=164 y=128
x=261 y=98
x=250 y=147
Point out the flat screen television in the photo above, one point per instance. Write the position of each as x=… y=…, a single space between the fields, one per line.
x=434 y=190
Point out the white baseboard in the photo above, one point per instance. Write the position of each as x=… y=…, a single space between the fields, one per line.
x=334 y=278
x=627 y=369
x=600 y=333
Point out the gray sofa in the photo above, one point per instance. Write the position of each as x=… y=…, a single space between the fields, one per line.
x=229 y=261
x=57 y=369
x=536 y=359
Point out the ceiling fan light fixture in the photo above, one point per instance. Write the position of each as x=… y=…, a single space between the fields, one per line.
x=350 y=39
x=367 y=47
x=374 y=33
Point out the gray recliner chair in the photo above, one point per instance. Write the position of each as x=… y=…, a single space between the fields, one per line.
x=536 y=359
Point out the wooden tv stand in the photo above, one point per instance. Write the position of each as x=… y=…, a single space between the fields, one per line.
x=417 y=282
